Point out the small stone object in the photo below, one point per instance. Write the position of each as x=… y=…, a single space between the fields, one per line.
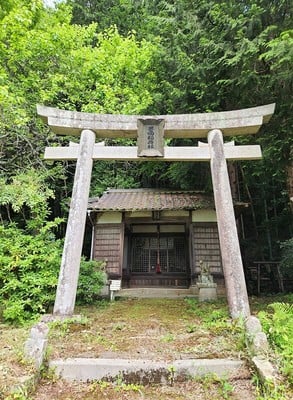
x=205 y=277
x=257 y=339
x=207 y=287
x=36 y=345
x=252 y=325
x=260 y=343
x=265 y=369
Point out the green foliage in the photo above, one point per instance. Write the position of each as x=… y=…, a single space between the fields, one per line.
x=125 y=14
x=47 y=59
x=29 y=252
x=190 y=176
x=29 y=266
x=280 y=52
x=112 y=76
x=92 y=278
x=286 y=263
x=115 y=175
x=277 y=324
x=106 y=72
x=27 y=194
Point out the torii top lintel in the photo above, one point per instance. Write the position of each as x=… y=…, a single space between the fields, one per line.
x=238 y=122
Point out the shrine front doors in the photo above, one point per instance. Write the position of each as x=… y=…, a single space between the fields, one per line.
x=158 y=259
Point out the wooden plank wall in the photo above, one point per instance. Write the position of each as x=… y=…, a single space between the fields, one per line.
x=207 y=247
x=108 y=245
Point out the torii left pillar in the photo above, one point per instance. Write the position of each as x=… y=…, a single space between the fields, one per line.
x=70 y=264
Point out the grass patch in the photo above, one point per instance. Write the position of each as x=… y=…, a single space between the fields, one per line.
x=12 y=362
x=163 y=329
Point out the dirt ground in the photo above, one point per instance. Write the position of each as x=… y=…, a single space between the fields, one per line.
x=12 y=363
x=239 y=388
x=157 y=329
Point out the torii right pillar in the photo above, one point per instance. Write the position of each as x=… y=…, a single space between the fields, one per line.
x=228 y=236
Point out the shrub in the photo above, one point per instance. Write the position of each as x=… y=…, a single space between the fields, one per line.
x=29 y=266
x=92 y=278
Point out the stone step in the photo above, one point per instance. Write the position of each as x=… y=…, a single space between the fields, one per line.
x=148 y=292
x=142 y=371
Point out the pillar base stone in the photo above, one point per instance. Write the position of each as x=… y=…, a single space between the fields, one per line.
x=207 y=292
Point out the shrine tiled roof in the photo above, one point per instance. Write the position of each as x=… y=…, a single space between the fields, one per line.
x=150 y=200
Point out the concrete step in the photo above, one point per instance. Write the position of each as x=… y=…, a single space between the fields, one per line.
x=142 y=371
x=147 y=292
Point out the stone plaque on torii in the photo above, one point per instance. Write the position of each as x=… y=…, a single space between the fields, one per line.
x=150 y=132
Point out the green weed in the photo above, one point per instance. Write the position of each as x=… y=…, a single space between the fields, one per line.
x=121 y=386
x=118 y=386
x=209 y=381
x=61 y=328
x=18 y=394
x=191 y=328
x=171 y=376
x=269 y=390
x=277 y=324
x=169 y=337
x=225 y=387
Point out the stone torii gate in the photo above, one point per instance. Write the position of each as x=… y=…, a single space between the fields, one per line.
x=150 y=132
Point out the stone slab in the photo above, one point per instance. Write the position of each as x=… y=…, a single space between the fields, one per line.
x=207 y=293
x=265 y=369
x=141 y=371
x=236 y=122
x=155 y=293
x=36 y=345
x=257 y=341
x=182 y=153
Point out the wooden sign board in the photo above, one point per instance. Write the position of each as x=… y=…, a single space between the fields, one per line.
x=150 y=138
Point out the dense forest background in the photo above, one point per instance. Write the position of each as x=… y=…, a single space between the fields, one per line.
x=136 y=57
